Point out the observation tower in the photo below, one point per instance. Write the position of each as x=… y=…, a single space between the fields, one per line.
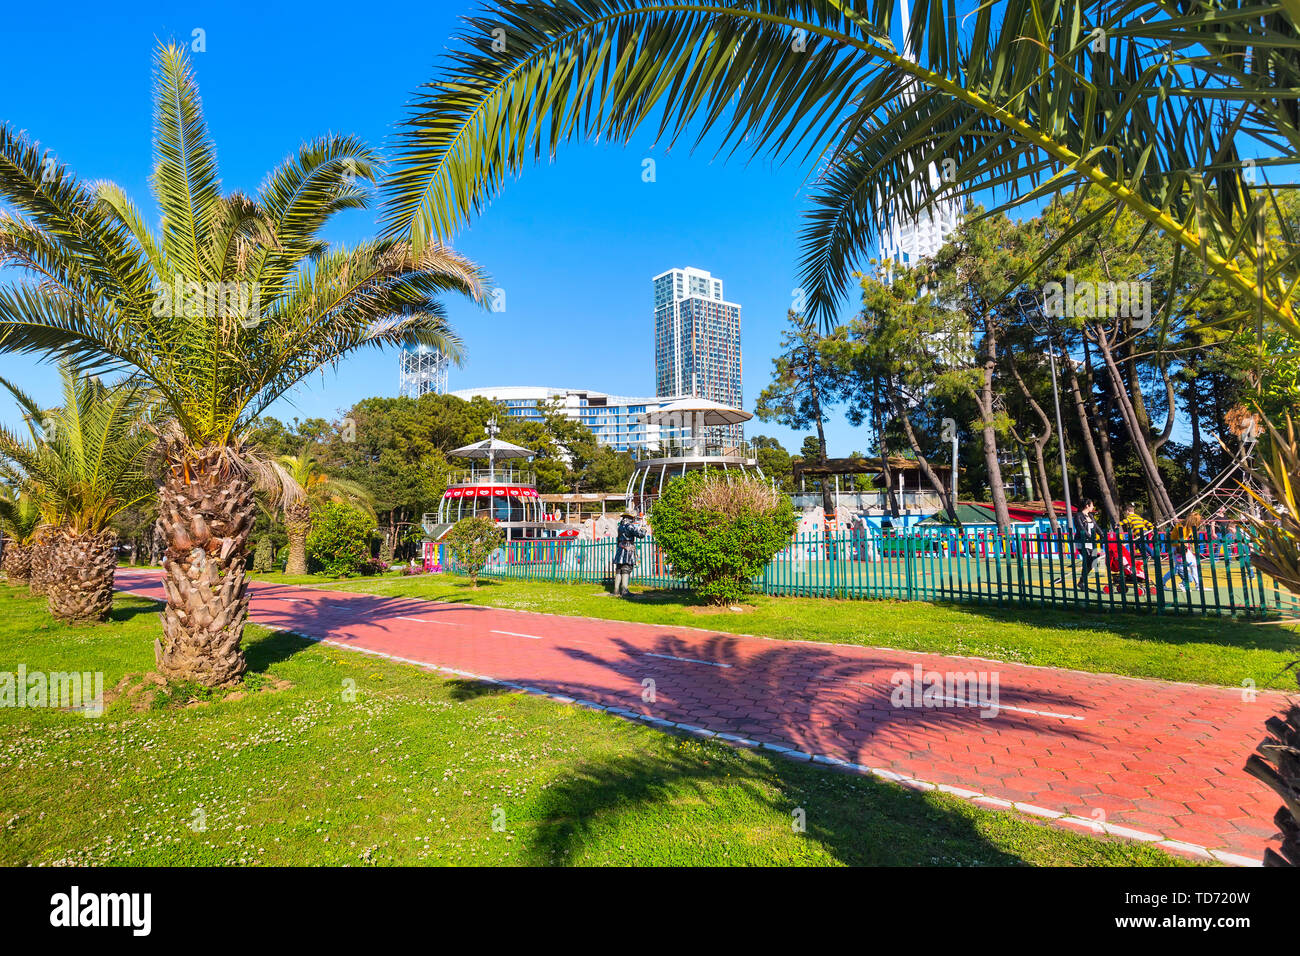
x=694 y=435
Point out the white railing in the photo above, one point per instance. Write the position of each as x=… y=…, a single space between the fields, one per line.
x=704 y=447
x=500 y=474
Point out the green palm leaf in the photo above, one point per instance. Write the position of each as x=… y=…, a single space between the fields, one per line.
x=1019 y=101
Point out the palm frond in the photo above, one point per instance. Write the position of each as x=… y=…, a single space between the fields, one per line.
x=1023 y=101
x=185 y=171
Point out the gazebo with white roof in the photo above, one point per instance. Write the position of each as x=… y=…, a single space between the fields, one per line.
x=693 y=437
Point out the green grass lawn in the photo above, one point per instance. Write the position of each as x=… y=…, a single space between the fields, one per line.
x=1206 y=650
x=417 y=769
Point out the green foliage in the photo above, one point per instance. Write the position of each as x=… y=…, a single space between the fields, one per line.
x=1019 y=99
x=339 y=541
x=804 y=385
x=264 y=554
x=774 y=460
x=84 y=461
x=472 y=541
x=720 y=533
x=20 y=516
x=97 y=284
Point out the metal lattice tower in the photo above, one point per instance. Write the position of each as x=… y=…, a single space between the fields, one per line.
x=423 y=369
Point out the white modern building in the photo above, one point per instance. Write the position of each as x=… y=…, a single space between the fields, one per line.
x=907 y=239
x=616 y=419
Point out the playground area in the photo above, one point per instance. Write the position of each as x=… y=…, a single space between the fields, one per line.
x=1030 y=569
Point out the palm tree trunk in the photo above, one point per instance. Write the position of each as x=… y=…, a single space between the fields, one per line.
x=205 y=515
x=81 y=576
x=38 y=581
x=18 y=562
x=297 y=522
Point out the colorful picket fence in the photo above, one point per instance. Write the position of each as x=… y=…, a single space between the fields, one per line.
x=1023 y=569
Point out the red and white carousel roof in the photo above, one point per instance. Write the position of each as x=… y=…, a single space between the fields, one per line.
x=491 y=491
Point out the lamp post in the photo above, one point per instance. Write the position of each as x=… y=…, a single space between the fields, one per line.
x=492 y=430
x=1028 y=303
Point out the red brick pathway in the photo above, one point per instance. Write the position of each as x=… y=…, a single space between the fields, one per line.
x=1136 y=758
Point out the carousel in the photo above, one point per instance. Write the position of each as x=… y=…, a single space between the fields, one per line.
x=498 y=484
x=695 y=434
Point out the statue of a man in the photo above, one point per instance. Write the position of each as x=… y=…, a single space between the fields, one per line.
x=629 y=530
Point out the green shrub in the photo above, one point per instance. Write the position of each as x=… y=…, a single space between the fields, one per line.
x=264 y=553
x=338 y=543
x=472 y=542
x=719 y=533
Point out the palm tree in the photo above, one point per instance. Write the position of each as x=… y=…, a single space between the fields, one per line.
x=1142 y=101
x=84 y=464
x=220 y=311
x=316 y=487
x=20 y=518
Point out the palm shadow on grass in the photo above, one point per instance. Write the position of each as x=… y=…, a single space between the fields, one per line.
x=126 y=610
x=262 y=653
x=856 y=820
x=462 y=690
x=1180 y=628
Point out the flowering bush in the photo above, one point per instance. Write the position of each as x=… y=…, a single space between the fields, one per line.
x=719 y=531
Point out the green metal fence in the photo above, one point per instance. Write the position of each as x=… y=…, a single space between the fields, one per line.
x=1023 y=569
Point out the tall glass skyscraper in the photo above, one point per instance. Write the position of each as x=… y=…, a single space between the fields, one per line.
x=697 y=338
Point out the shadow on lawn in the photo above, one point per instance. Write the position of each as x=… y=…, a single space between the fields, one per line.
x=859 y=822
x=461 y=689
x=813 y=699
x=261 y=653
x=1163 y=628
x=126 y=610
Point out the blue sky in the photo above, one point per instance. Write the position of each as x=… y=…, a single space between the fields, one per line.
x=573 y=243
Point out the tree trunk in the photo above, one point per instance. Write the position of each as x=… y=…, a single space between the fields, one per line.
x=1194 y=413
x=1040 y=465
x=1162 y=506
x=1102 y=419
x=18 y=562
x=984 y=398
x=155 y=545
x=205 y=514
x=81 y=576
x=944 y=491
x=39 y=581
x=297 y=522
x=1171 y=397
x=886 y=473
x=1039 y=442
x=1104 y=486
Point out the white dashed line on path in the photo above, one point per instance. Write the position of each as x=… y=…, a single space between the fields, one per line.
x=535 y=637
x=1018 y=710
x=689 y=660
x=421 y=620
